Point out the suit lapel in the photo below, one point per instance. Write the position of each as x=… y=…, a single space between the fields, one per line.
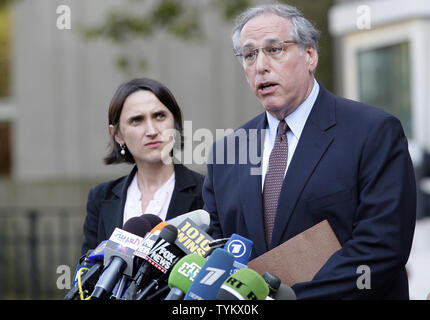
x=312 y=145
x=112 y=210
x=250 y=184
x=110 y=215
x=181 y=200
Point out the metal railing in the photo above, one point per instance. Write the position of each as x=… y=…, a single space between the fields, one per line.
x=34 y=243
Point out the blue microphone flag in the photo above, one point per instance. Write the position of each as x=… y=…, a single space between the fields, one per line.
x=212 y=275
x=239 y=247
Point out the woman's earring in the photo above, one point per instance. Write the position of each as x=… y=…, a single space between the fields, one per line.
x=122 y=146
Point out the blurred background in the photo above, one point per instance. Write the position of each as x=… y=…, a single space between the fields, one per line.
x=62 y=60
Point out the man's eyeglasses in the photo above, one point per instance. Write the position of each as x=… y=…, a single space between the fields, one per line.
x=273 y=49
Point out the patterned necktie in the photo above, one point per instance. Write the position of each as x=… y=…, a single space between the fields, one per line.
x=274 y=179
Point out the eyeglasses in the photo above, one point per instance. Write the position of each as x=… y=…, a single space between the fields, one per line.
x=273 y=49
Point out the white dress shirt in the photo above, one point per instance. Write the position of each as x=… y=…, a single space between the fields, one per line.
x=158 y=205
x=296 y=122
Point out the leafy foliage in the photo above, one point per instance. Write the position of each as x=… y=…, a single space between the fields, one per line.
x=179 y=18
x=5 y=31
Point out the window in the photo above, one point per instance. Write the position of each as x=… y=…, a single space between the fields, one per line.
x=384 y=81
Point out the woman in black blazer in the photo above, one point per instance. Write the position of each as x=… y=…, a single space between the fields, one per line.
x=145 y=125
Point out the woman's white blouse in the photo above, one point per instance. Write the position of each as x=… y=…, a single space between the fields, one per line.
x=158 y=205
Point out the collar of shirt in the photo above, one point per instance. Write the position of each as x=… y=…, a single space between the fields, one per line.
x=158 y=205
x=296 y=122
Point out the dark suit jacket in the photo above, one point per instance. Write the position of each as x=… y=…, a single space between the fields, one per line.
x=351 y=167
x=106 y=201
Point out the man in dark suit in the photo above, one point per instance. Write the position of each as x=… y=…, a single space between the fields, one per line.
x=321 y=157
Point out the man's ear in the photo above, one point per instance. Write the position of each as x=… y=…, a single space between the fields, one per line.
x=116 y=134
x=311 y=58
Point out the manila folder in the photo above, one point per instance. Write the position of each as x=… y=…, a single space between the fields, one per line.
x=301 y=257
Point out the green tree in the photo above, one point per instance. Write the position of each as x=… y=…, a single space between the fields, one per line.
x=182 y=19
x=178 y=18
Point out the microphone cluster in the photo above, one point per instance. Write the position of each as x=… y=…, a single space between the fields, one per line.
x=149 y=259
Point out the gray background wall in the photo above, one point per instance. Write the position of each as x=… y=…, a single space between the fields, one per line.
x=63 y=85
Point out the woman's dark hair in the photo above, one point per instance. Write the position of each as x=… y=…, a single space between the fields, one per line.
x=115 y=108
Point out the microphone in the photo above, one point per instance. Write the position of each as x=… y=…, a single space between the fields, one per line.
x=148 y=242
x=245 y=284
x=83 y=264
x=92 y=267
x=152 y=219
x=218 y=243
x=278 y=290
x=159 y=257
x=119 y=255
x=156 y=252
x=129 y=239
x=210 y=278
x=183 y=274
x=139 y=225
x=240 y=248
x=98 y=253
x=285 y=293
x=273 y=282
x=199 y=217
x=215 y=244
x=192 y=238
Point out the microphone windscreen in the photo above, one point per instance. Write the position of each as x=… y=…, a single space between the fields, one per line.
x=185 y=271
x=192 y=239
x=199 y=217
x=169 y=233
x=210 y=278
x=152 y=219
x=98 y=253
x=138 y=226
x=245 y=284
x=156 y=230
x=226 y=294
x=239 y=247
x=285 y=293
x=272 y=281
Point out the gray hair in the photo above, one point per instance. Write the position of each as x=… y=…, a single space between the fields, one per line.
x=303 y=31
